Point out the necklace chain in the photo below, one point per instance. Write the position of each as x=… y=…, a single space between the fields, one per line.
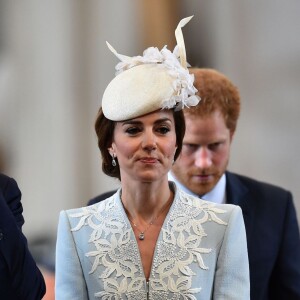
x=142 y=232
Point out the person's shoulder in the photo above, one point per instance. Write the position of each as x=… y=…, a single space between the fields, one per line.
x=6 y=181
x=3 y=178
x=206 y=205
x=258 y=185
x=101 y=197
x=11 y=195
x=221 y=214
x=223 y=208
x=77 y=218
x=258 y=194
x=90 y=209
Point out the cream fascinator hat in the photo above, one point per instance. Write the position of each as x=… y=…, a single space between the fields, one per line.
x=156 y=80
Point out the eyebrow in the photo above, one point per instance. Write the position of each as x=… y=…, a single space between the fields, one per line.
x=137 y=122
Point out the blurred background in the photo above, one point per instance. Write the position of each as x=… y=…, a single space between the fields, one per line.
x=54 y=67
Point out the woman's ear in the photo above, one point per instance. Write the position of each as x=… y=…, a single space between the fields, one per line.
x=111 y=150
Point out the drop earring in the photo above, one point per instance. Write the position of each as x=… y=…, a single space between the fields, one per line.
x=113 y=162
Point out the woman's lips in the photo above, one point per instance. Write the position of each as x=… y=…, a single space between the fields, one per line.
x=148 y=160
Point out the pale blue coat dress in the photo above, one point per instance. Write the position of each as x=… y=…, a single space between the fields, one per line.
x=201 y=253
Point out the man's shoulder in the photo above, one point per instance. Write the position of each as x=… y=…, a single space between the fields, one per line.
x=252 y=182
x=101 y=197
x=259 y=191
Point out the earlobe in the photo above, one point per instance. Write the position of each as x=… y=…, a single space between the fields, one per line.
x=111 y=150
x=113 y=156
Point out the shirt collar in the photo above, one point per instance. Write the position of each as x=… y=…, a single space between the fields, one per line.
x=216 y=195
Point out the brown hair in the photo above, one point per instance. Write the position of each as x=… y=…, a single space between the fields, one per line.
x=105 y=132
x=217 y=92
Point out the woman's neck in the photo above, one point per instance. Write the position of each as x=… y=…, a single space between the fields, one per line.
x=144 y=200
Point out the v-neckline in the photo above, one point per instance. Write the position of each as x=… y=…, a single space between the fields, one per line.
x=159 y=237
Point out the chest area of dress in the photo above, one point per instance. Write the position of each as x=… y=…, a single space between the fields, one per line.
x=184 y=257
x=180 y=268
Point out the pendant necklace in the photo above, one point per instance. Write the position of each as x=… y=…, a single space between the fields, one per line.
x=142 y=232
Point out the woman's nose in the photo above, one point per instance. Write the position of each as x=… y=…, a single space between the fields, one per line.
x=149 y=140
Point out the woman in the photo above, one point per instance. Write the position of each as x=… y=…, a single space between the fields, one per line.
x=149 y=240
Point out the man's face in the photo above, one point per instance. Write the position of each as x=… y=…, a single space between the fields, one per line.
x=205 y=153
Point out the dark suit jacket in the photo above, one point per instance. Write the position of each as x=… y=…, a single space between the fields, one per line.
x=272 y=236
x=20 y=279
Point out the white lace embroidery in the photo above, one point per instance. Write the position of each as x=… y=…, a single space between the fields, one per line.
x=116 y=250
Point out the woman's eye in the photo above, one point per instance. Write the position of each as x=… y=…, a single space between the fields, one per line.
x=163 y=130
x=132 y=130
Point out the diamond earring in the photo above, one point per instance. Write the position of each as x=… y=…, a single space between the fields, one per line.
x=113 y=162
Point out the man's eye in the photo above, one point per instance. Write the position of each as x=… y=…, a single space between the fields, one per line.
x=214 y=146
x=189 y=147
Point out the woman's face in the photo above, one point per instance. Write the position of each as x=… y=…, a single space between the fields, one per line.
x=145 y=146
